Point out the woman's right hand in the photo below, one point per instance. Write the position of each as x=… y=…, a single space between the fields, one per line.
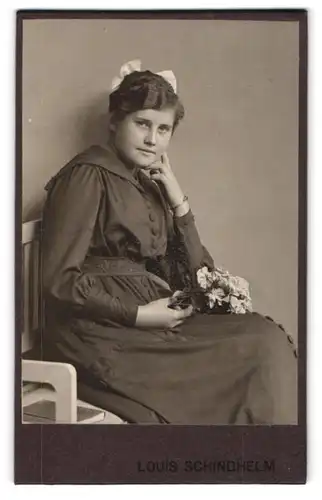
x=157 y=314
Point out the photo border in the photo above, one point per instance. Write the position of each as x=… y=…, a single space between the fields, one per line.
x=89 y=454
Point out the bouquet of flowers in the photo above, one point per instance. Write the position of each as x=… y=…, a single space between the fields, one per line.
x=215 y=291
x=223 y=292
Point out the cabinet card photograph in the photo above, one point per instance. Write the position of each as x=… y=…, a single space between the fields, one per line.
x=161 y=249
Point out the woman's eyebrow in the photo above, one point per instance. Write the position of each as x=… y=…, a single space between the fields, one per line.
x=149 y=122
x=142 y=119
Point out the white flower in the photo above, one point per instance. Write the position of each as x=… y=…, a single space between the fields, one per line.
x=243 y=286
x=236 y=305
x=215 y=296
x=223 y=283
x=204 y=278
x=233 y=284
x=248 y=304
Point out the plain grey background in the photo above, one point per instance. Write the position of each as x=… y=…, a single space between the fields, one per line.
x=235 y=154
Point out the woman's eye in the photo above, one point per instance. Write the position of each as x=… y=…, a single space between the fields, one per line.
x=142 y=124
x=164 y=130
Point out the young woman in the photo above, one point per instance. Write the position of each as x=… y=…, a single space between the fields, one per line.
x=119 y=240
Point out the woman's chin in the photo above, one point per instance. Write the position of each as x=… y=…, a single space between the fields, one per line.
x=146 y=161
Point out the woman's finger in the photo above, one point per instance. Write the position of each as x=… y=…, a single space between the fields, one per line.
x=165 y=161
x=157 y=177
x=163 y=167
x=185 y=313
x=157 y=171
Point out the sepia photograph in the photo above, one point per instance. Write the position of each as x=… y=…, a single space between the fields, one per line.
x=160 y=198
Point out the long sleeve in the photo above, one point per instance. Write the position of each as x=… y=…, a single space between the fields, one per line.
x=185 y=252
x=69 y=219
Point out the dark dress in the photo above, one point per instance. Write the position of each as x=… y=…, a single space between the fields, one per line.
x=110 y=244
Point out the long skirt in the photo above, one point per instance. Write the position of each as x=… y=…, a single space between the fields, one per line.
x=215 y=369
x=219 y=369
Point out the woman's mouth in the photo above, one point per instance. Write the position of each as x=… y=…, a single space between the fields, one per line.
x=146 y=151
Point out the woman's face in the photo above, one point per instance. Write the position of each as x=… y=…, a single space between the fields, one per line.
x=143 y=136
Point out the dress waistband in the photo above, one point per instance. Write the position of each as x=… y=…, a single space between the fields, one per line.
x=113 y=265
x=120 y=266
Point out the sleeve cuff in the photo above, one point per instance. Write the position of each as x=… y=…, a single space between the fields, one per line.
x=184 y=220
x=132 y=313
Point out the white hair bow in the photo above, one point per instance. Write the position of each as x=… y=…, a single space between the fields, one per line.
x=135 y=65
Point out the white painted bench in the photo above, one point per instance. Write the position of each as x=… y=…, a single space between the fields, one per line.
x=49 y=389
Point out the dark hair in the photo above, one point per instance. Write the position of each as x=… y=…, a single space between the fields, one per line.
x=144 y=90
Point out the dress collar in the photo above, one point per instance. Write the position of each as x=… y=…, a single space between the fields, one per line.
x=106 y=157
x=102 y=156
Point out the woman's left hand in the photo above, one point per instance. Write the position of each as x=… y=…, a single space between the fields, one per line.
x=161 y=171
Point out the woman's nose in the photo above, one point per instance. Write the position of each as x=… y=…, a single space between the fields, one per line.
x=151 y=137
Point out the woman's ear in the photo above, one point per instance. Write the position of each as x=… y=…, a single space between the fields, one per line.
x=112 y=123
x=112 y=126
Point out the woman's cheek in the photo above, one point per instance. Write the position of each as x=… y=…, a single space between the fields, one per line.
x=165 y=145
x=168 y=138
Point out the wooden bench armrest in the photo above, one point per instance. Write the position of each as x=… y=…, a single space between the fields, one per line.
x=62 y=376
